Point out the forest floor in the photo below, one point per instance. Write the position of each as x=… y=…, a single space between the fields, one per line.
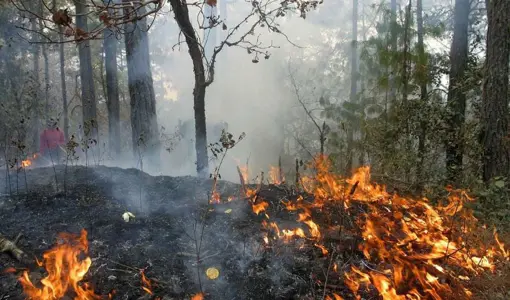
x=172 y=220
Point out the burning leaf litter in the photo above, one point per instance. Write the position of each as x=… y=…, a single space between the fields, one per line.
x=408 y=249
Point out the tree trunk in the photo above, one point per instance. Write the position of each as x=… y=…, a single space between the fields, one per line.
x=63 y=84
x=46 y=77
x=422 y=78
x=88 y=93
x=405 y=89
x=145 y=133
x=182 y=17
x=394 y=47
x=354 y=83
x=495 y=92
x=112 y=87
x=36 y=119
x=456 y=102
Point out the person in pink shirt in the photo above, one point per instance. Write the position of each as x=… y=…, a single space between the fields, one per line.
x=51 y=141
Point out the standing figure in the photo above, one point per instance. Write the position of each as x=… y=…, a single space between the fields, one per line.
x=52 y=143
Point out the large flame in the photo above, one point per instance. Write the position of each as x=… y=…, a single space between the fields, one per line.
x=65 y=271
x=417 y=250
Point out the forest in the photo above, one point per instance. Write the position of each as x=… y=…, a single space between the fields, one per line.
x=362 y=151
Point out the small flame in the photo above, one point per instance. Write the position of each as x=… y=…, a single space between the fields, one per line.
x=199 y=296
x=146 y=283
x=28 y=162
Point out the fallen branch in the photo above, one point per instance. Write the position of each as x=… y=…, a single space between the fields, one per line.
x=7 y=246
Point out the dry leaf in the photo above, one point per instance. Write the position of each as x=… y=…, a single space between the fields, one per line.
x=61 y=17
x=212 y=273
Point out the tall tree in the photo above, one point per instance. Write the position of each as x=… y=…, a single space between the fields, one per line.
x=88 y=92
x=36 y=50
x=183 y=20
x=46 y=64
x=494 y=121
x=112 y=87
x=394 y=46
x=144 y=125
x=354 y=82
x=422 y=79
x=63 y=85
x=456 y=102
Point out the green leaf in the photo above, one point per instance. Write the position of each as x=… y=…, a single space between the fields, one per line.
x=499 y=184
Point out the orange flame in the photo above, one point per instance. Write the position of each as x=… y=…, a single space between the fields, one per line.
x=419 y=251
x=65 y=271
x=146 y=284
x=199 y=296
x=28 y=162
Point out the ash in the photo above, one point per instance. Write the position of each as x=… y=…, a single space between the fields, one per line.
x=173 y=220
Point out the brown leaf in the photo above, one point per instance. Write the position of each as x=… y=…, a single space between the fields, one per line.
x=105 y=18
x=61 y=17
x=80 y=34
x=69 y=31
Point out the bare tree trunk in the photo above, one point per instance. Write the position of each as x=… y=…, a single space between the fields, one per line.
x=182 y=17
x=354 y=83
x=88 y=92
x=456 y=103
x=422 y=74
x=46 y=80
x=405 y=88
x=394 y=47
x=495 y=92
x=145 y=133
x=112 y=87
x=36 y=119
x=63 y=84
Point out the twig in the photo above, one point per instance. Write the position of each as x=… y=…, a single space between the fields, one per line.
x=327 y=274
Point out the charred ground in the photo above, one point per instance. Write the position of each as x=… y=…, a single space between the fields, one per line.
x=162 y=239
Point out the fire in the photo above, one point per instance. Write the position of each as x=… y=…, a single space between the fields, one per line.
x=420 y=251
x=199 y=296
x=146 y=283
x=275 y=176
x=28 y=162
x=65 y=271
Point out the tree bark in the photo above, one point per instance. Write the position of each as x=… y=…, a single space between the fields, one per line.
x=494 y=121
x=456 y=102
x=65 y=113
x=145 y=133
x=112 y=88
x=394 y=47
x=182 y=17
x=354 y=83
x=36 y=119
x=422 y=78
x=88 y=93
x=44 y=48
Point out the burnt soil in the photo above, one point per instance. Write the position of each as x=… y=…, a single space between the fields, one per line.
x=163 y=237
